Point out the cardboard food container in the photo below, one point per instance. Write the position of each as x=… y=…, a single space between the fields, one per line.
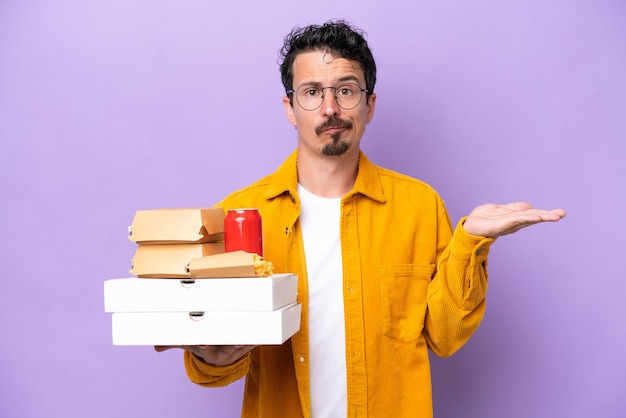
x=169 y=260
x=210 y=328
x=230 y=264
x=173 y=226
x=247 y=294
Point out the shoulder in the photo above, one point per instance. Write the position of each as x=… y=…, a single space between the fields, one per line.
x=393 y=177
x=250 y=195
x=399 y=186
x=383 y=184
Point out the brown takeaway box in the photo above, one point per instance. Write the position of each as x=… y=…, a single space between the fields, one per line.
x=231 y=264
x=176 y=226
x=170 y=260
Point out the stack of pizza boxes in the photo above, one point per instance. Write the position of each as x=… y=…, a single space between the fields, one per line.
x=189 y=291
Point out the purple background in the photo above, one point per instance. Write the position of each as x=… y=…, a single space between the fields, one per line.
x=107 y=107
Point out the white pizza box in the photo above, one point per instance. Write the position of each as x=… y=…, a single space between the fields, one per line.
x=242 y=294
x=206 y=328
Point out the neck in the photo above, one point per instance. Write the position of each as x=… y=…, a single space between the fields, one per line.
x=329 y=177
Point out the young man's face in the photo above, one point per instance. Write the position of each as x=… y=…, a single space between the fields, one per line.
x=329 y=129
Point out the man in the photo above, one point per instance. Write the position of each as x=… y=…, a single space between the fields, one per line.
x=382 y=276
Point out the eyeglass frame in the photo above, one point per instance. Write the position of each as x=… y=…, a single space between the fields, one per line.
x=292 y=91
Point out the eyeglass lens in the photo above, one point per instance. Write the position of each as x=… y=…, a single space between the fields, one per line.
x=348 y=96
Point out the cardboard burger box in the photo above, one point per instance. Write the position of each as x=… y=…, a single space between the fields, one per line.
x=248 y=310
x=176 y=226
x=170 y=260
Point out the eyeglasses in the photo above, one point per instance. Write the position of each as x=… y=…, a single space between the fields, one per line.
x=348 y=96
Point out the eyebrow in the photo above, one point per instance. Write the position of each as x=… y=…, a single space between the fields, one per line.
x=339 y=81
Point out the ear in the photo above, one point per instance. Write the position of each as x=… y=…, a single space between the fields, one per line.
x=289 y=111
x=371 y=105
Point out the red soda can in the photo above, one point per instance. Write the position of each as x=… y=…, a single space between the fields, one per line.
x=243 y=230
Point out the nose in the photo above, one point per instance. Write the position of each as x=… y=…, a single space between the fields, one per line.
x=329 y=101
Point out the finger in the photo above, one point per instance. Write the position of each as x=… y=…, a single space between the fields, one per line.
x=559 y=212
x=518 y=206
x=247 y=348
x=548 y=215
x=161 y=348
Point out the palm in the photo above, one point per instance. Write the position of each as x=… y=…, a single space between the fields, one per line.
x=493 y=220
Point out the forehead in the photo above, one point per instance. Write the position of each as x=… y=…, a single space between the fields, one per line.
x=321 y=67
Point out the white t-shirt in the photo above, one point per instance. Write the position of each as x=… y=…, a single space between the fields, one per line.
x=319 y=220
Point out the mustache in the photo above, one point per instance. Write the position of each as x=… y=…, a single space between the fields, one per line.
x=333 y=122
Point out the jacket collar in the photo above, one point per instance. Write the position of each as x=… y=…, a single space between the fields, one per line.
x=285 y=179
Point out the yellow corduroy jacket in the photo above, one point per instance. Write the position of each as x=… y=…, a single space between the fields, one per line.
x=410 y=285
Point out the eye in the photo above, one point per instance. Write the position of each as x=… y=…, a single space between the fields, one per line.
x=311 y=92
x=346 y=91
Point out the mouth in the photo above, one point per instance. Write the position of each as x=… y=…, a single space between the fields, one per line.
x=333 y=129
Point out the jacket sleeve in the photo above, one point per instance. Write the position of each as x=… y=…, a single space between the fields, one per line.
x=208 y=375
x=456 y=295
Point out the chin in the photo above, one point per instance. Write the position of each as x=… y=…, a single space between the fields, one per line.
x=336 y=149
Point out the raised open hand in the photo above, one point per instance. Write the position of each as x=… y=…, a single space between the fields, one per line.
x=492 y=220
